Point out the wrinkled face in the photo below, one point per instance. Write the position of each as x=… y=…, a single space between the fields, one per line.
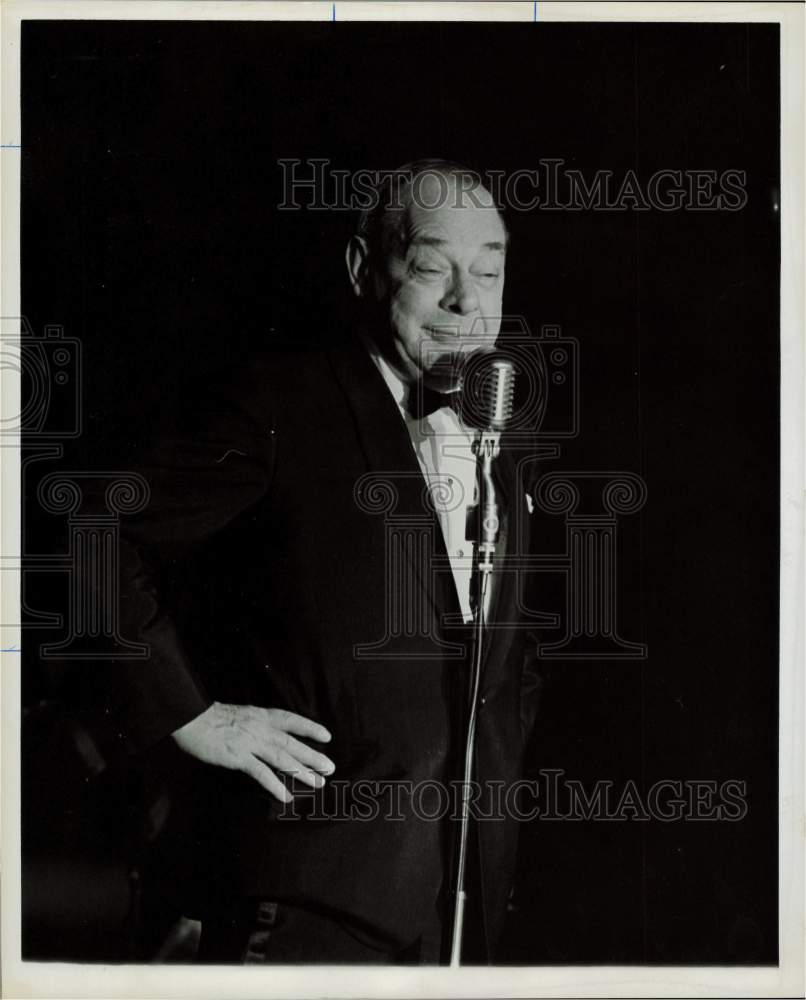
x=441 y=282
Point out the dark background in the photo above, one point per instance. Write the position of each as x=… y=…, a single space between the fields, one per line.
x=150 y=180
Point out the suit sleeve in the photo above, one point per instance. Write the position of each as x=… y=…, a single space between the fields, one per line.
x=216 y=464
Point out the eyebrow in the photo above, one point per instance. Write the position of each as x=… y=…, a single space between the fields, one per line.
x=434 y=241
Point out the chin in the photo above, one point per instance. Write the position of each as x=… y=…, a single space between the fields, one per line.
x=445 y=374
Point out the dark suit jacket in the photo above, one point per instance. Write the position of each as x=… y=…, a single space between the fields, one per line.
x=269 y=509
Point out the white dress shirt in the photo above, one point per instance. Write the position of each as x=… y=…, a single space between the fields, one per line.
x=443 y=446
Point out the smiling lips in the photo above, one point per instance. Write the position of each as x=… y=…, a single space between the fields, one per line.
x=448 y=334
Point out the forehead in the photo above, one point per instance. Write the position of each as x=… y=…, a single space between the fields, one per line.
x=442 y=209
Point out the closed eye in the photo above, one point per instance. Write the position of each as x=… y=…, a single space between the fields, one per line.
x=487 y=276
x=429 y=273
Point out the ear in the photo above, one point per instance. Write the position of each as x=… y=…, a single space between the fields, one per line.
x=357 y=260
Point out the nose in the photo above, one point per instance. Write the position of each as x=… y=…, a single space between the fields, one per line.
x=460 y=297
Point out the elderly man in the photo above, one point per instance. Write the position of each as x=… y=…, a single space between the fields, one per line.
x=326 y=646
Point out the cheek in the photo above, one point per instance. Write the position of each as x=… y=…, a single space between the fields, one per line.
x=493 y=324
x=404 y=323
x=493 y=298
x=491 y=306
x=412 y=302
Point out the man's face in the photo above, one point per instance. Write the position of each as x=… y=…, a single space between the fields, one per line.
x=443 y=282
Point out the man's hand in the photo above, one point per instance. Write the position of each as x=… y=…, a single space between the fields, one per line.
x=258 y=741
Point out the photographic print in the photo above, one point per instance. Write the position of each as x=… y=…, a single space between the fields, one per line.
x=398 y=436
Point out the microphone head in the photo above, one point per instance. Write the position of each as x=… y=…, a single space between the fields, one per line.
x=489 y=391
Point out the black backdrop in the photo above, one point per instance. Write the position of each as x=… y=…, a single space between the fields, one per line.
x=150 y=232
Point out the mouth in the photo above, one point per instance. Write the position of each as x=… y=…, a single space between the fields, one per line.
x=451 y=335
x=443 y=333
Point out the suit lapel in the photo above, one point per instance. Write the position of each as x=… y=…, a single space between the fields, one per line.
x=385 y=442
x=504 y=603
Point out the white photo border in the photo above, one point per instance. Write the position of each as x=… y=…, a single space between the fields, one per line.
x=36 y=979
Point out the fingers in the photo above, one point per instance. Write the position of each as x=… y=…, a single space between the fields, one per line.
x=267 y=778
x=290 y=722
x=255 y=741
x=290 y=765
x=280 y=749
x=312 y=758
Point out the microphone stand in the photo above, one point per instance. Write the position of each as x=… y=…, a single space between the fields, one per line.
x=486 y=448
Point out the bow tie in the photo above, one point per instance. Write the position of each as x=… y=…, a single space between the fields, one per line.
x=422 y=401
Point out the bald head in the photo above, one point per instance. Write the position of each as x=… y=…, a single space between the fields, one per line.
x=420 y=187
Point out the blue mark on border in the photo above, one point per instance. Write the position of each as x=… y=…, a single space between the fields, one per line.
x=10 y=649
x=535 y=10
x=334 y=12
x=10 y=145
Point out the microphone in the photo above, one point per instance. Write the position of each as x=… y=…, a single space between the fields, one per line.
x=488 y=392
x=497 y=394
x=489 y=387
